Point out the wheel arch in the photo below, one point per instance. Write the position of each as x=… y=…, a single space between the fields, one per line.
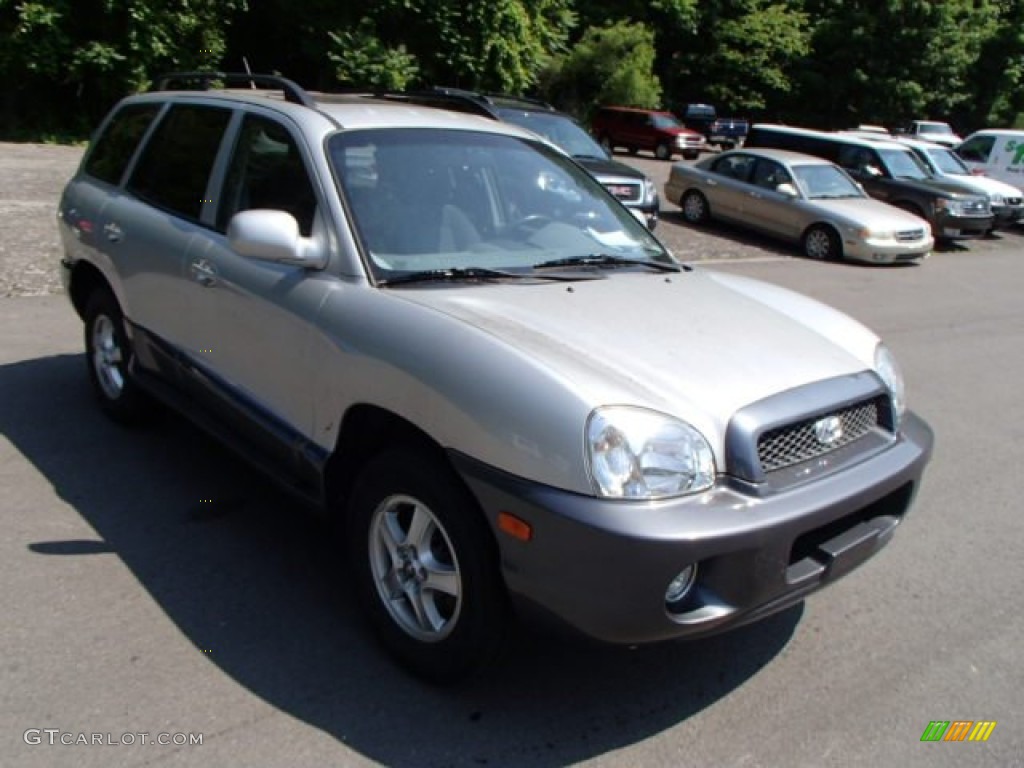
x=85 y=280
x=366 y=430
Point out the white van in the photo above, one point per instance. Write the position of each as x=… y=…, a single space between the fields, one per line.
x=996 y=152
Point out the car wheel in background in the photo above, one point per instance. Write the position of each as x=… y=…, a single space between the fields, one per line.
x=425 y=566
x=606 y=144
x=663 y=152
x=822 y=243
x=695 y=207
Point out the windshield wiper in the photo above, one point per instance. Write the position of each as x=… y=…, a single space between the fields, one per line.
x=456 y=274
x=607 y=260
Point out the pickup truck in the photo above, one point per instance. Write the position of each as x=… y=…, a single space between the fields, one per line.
x=725 y=132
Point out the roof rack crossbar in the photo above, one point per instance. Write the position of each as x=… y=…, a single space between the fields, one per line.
x=293 y=92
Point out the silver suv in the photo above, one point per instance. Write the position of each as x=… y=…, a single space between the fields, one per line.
x=440 y=330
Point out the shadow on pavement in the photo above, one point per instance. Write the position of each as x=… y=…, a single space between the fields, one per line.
x=245 y=572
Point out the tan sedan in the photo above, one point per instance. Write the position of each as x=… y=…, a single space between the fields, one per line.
x=800 y=198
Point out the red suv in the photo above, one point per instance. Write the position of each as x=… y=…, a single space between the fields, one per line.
x=635 y=129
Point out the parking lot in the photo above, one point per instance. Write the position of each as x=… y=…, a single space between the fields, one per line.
x=156 y=585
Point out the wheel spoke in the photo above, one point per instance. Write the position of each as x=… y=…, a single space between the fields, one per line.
x=441 y=578
x=421 y=528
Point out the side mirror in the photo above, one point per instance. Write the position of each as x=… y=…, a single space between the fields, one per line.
x=274 y=236
x=787 y=189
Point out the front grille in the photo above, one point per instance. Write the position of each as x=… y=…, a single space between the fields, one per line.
x=628 y=193
x=814 y=437
x=976 y=208
x=910 y=235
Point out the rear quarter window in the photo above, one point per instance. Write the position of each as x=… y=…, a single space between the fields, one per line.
x=115 y=146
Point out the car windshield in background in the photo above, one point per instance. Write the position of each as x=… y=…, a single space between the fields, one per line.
x=947 y=162
x=903 y=164
x=939 y=129
x=666 y=121
x=426 y=200
x=559 y=130
x=825 y=182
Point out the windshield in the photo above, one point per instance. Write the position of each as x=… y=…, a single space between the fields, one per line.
x=947 y=162
x=903 y=164
x=940 y=129
x=558 y=129
x=666 y=121
x=425 y=200
x=825 y=182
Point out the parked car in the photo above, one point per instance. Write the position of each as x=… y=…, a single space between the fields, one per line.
x=934 y=131
x=997 y=153
x=889 y=171
x=634 y=129
x=799 y=198
x=632 y=187
x=724 y=132
x=447 y=336
x=1007 y=201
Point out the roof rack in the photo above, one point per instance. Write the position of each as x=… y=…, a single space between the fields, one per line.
x=293 y=92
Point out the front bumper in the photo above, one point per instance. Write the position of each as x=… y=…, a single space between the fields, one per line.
x=603 y=565
x=1007 y=215
x=886 y=251
x=951 y=227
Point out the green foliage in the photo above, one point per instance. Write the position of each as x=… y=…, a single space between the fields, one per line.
x=820 y=62
x=95 y=51
x=361 y=59
x=609 y=65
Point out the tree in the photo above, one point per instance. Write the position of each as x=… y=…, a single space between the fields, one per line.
x=883 y=61
x=609 y=65
x=93 y=52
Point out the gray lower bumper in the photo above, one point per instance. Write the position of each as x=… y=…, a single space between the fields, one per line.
x=603 y=566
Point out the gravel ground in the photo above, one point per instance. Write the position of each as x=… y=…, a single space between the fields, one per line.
x=32 y=176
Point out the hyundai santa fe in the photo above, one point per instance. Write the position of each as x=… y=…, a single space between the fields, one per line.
x=442 y=333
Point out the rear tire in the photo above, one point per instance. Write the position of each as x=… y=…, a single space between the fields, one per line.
x=695 y=207
x=822 y=244
x=108 y=355
x=606 y=143
x=425 y=566
x=663 y=152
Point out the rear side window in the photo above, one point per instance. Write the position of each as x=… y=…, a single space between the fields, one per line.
x=175 y=165
x=977 y=149
x=115 y=147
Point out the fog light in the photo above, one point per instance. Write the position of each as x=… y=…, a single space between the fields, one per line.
x=680 y=586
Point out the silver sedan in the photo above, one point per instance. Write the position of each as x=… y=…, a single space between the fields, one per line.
x=800 y=198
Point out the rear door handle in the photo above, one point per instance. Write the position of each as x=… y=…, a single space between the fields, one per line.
x=113 y=231
x=203 y=272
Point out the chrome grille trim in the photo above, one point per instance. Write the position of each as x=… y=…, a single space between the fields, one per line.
x=796 y=443
x=910 y=235
x=794 y=407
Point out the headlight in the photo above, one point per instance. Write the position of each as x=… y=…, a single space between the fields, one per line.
x=867 y=233
x=889 y=370
x=634 y=453
x=650 y=191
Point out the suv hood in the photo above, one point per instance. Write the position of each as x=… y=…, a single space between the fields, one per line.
x=601 y=167
x=946 y=186
x=698 y=345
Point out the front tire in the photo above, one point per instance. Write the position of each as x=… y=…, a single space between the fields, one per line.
x=108 y=355
x=695 y=207
x=822 y=244
x=425 y=566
